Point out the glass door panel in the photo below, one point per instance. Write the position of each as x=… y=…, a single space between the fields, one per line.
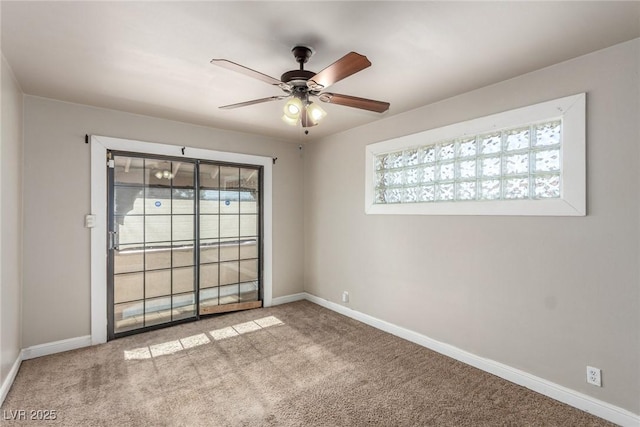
x=229 y=204
x=152 y=243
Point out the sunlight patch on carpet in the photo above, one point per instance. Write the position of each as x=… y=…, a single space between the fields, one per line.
x=137 y=354
x=164 y=348
x=246 y=327
x=172 y=347
x=265 y=322
x=243 y=328
x=194 y=341
x=220 y=334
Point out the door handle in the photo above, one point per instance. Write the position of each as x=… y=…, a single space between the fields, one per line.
x=113 y=240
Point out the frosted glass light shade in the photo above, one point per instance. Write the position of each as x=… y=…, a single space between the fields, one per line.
x=292 y=108
x=315 y=112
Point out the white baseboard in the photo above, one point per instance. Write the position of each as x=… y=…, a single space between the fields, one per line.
x=6 y=384
x=289 y=298
x=37 y=351
x=555 y=391
x=55 y=347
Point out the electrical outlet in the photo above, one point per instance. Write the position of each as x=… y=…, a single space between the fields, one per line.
x=594 y=376
x=345 y=297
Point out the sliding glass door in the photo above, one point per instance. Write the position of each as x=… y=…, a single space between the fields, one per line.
x=229 y=238
x=183 y=240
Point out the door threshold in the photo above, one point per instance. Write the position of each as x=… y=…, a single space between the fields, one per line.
x=230 y=307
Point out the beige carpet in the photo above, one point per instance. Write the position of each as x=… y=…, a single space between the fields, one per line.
x=296 y=364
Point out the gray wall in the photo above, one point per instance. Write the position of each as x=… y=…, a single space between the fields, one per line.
x=546 y=295
x=11 y=222
x=57 y=196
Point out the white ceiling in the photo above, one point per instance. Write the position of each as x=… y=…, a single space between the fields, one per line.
x=153 y=58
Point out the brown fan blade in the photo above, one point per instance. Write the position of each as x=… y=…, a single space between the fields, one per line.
x=255 y=101
x=246 y=71
x=355 y=102
x=349 y=64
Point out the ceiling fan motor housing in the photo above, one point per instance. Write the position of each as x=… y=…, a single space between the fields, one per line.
x=294 y=76
x=297 y=79
x=295 y=83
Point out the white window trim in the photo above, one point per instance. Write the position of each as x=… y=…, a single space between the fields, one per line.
x=572 y=111
x=99 y=147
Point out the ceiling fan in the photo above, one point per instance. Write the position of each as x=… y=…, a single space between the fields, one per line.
x=300 y=85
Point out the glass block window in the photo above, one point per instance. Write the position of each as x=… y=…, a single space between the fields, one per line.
x=527 y=161
x=512 y=164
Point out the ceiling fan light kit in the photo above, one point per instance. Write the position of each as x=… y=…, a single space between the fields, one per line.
x=300 y=85
x=300 y=110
